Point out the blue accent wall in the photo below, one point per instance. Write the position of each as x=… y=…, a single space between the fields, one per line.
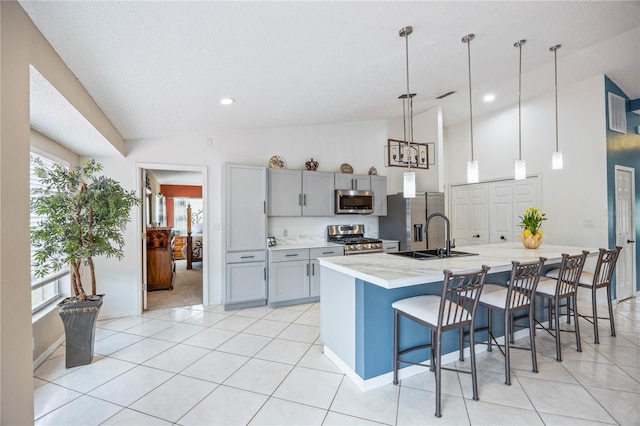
x=374 y=325
x=623 y=150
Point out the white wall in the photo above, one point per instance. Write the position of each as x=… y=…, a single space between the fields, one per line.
x=569 y=196
x=360 y=144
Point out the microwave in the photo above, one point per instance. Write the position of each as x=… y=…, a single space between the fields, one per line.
x=350 y=201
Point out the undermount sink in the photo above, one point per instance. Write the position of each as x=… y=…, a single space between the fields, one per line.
x=432 y=254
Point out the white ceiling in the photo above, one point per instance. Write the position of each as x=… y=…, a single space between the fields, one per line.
x=159 y=69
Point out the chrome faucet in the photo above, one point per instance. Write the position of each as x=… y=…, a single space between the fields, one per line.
x=448 y=236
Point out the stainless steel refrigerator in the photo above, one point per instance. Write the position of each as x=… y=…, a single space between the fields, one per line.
x=406 y=221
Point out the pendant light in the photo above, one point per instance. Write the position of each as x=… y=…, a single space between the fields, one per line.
x=556 y=157
x=409 y=179
x=472 y=166
x=520 y=169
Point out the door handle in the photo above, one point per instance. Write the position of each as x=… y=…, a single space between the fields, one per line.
x=502 y=237
x=630 y=241
x=476 y=236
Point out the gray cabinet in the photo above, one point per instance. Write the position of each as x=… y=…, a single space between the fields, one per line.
x=245 y=208
x=314 y=272
x=317 y=193
x=300 y=193
x=245 y=235
x=379 y=188
x=246 y=282
x=288 y=275
x=294 y=275
x=351 y=181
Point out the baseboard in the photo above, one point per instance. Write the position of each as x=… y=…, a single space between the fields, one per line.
x=406 y=372
x=44 y=355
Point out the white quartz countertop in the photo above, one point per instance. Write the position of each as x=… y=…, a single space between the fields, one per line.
x=295 y=246
x=391 y=271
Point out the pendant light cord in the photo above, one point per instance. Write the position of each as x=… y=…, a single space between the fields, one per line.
x=405 y=33
x=467 y=39
x=519 y=44
x=554 y=49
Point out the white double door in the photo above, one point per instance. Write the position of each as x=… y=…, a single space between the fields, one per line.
x=487 y=213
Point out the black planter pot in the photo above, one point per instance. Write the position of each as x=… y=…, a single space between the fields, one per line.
x=79 y=319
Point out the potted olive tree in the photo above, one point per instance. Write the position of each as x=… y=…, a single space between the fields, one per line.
x=83 y=216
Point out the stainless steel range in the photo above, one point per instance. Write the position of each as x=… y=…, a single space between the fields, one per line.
x=353 y=239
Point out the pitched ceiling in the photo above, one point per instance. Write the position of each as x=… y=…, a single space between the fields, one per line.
x=160 y=68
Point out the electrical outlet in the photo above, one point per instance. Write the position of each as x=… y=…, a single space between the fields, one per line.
x=588 y=223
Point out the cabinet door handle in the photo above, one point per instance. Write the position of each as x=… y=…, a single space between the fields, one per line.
x=304 y=200
x=299 y=199
x=264 y=273
x=476 y=236
x=630 y=241
x=313 y=269
x=327 y=252
x=291 y=255
x=307 y=269
x=502 y=237
x=247 y=257
x=264 y=207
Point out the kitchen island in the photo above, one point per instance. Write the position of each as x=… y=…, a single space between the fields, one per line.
x=357 y=293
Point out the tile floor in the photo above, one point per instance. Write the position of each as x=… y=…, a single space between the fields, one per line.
x=203 y=366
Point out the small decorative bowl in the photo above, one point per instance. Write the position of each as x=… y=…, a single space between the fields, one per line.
x=346 y=168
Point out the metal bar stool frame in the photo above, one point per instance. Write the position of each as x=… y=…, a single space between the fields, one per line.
x=600 y=278
x=565 y=288
x=456 y=309
x=517 y=297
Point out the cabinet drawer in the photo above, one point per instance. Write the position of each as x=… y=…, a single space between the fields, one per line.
x=246 y=256
x=389 y=247
x=318 y=252
x=288 y=255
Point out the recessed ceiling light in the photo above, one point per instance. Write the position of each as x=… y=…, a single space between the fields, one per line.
x=489 y=98
x=227 y=101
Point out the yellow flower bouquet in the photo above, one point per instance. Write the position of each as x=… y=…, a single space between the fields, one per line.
x=531 y=221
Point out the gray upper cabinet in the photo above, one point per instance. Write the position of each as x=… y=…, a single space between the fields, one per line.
x=351 y=181
x=246 y=195
x=285 y=192
x=379 y=188
x=317 y=193
x=300 y=193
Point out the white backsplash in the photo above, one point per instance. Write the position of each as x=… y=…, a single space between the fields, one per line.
x=301 y=230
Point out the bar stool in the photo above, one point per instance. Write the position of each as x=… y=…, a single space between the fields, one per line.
x=517 y=297
x=563 y=287
x=454 y=309
x=600 y=278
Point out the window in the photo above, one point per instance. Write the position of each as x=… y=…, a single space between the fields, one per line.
x=45 y=290
x=180 y=214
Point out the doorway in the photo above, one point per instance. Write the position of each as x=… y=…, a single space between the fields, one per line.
x=167 y=190
x=625 y=229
